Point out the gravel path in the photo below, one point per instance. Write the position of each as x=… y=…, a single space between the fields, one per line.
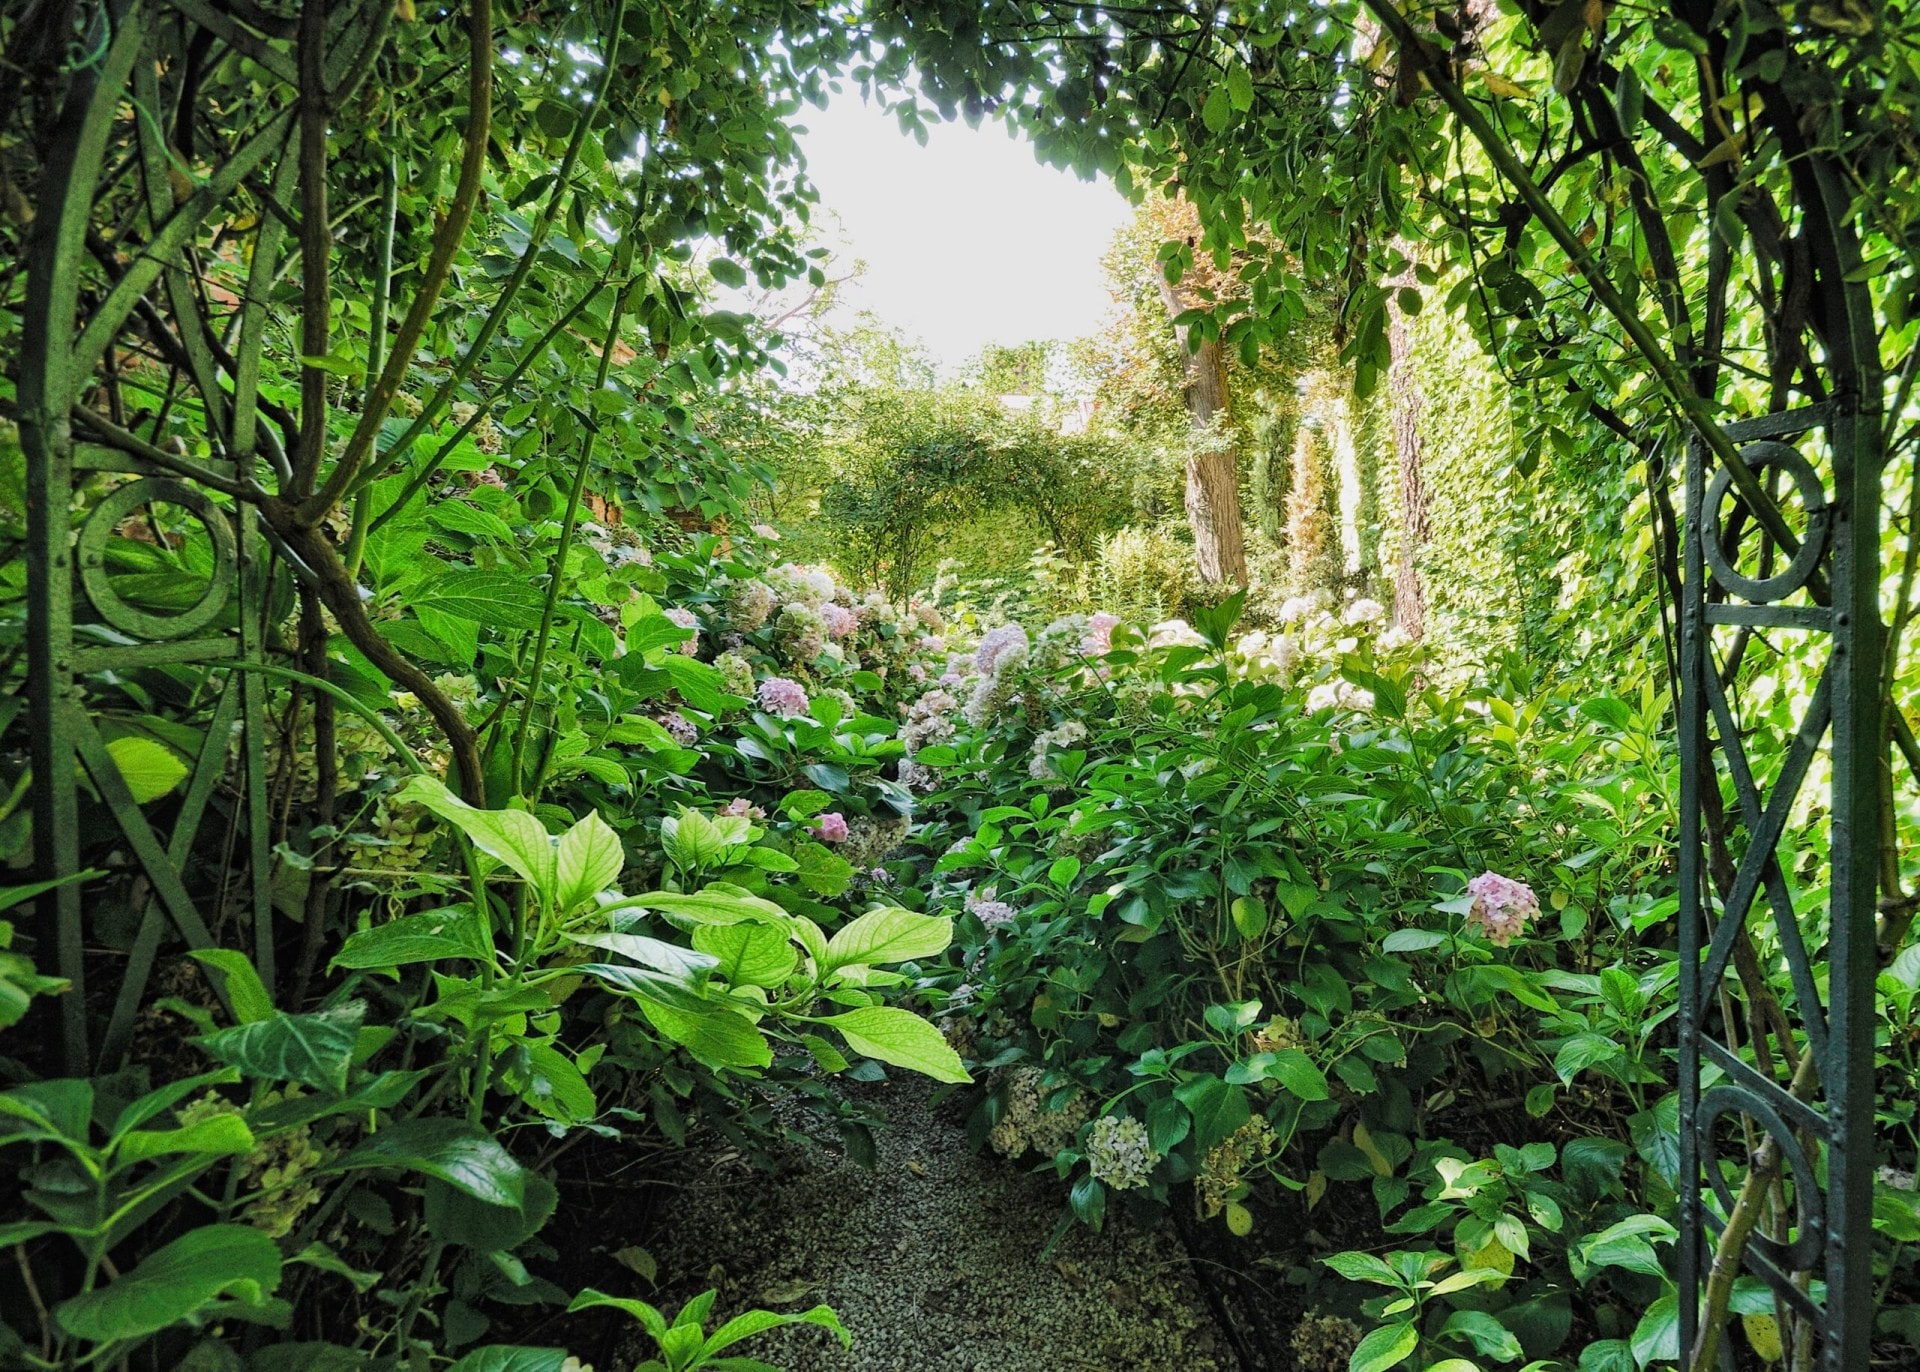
x=932 y=1259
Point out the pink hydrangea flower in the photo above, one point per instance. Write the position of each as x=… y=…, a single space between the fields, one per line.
x=831 y=827
x=686 y=619
x=782 y=696
x=840 y=621
x=1007 y=641
x=742 y=808
x=1502 y=907
x=1099 y=639
x=683 y=729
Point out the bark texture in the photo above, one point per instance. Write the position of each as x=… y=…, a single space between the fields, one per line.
x=1213 y=479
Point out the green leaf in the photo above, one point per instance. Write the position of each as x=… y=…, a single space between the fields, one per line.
x=1294 y=1070
x=1384 y=1348
x=512 y=837
x=504 y=600
x=454 y=933
x=727 y=272
x=1218 y=1108
x=453 y=1216
x=1217 y=112
x=1361 y=1267
x=587 y=861
x=175 y=1281
x=501 y=1357
x=1411 y=941
x=717 y=903
x=462 y=1155
x=716 y=1036
x=822 y=871
x=149 y=767
x=315 y=1050
x=216 y=1136
x=1583 y=1051
x=759 y=1321
x=1489 y=1337
x=1657 y=1336
x=650 y=1319
x=748 y=954
x=901 y=1038
x=683 y=964
x=1240 y=88
x=245 y=992
x=888 y=934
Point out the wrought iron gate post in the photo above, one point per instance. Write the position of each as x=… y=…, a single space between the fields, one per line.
x=1820 y=1266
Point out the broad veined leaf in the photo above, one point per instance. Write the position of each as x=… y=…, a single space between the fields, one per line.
x=503 y=599
x=888 y=934
x=1657 y=1336
x=430 y=936
x=687 y=965
x=235 y=1261
x=901 y=1038
x=1384 y=1348
x=512 y=837
x=650 y=1319
x=717 y=1036
x=748 y=954
x=216 y=1136
x=718 y=903
x=315 y=1050
x=760 y=1321
x=461 y=1154
x=588 y=859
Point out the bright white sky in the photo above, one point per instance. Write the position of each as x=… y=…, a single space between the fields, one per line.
x=967 y=241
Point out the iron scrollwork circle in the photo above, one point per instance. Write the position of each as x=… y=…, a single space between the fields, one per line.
x=1804 y=1251
x=99 y=528
x=1813 y=498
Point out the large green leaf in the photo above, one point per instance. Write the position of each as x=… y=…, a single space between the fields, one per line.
x=235 y=1261
x=888 y=935
x=502 y=599
x=512 y=837
x=462 y=1155
x=716 y=1036
x=215 y=1136
x=454 y=933
x=1657 y=1336
x=760 y=1321
x=685 y=964
x=1384 y=1348
x=315 y=1050
x=748 y=954
x=453 y=1216
x=901 y=1038
x=588 y=859
x=717 y=903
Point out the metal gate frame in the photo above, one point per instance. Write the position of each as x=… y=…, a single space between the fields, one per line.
x=1828 y=1121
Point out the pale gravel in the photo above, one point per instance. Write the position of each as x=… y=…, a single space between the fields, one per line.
x=932 y=1259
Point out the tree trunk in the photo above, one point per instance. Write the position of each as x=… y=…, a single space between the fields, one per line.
x=1213 y=479
x=1403 y=389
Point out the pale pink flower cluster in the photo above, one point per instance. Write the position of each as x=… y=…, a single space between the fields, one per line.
x=840 y=621
x=686 y=619
x=985 y=906
x=831 y=827
x=767 y=531
x=1502 y=907
x=782 y=696
x=742 y=808
x=1099 y=639
x=1009 y=640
